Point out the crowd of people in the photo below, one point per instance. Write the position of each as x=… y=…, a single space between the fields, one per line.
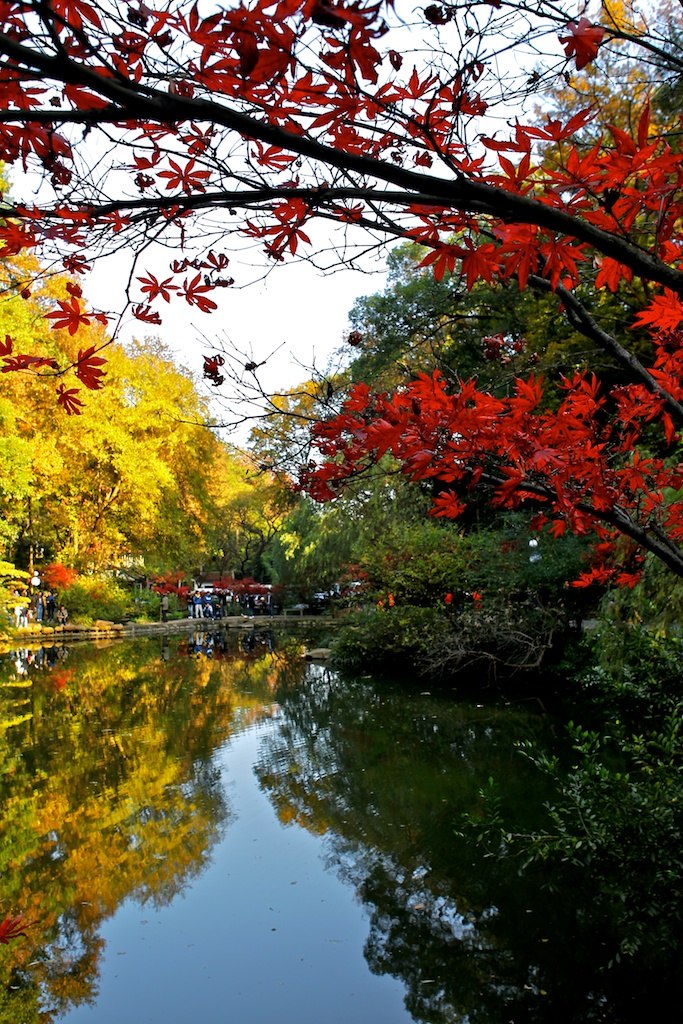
x=41 y=607
x=208 y=604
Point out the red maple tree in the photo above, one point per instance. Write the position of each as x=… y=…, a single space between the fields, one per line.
x=166 y=122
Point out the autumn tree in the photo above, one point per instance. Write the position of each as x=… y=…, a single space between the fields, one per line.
x=150 y=126
x=244 y=515
x=134 y=479
x=124 y=480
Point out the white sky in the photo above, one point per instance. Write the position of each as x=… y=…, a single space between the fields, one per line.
x=297 y=309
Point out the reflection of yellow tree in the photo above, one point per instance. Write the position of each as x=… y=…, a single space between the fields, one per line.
x=109 y=792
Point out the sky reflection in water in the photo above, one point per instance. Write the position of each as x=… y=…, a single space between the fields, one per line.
x=264 y=934
x=250 y=839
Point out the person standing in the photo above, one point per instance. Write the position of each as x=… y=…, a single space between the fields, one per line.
x=164 y=606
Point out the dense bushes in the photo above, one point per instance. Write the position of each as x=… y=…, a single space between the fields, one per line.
x=497 y=634
x=615 y=825
x=97 y=597
x=397 y=637
x=631 y=673
x=421 y=562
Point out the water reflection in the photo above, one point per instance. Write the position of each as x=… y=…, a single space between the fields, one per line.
x=109 y=793
x=384 y=774
x=114 y=790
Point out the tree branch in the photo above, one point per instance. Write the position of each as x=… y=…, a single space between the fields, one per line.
x=579 y=317
x=142 y=103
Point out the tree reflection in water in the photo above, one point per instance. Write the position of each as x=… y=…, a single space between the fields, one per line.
x=109 y=792
x=385 y=774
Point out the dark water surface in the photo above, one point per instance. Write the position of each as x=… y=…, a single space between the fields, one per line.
x=222 y=832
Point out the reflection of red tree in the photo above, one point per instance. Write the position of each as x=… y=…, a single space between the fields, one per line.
x=60 y=678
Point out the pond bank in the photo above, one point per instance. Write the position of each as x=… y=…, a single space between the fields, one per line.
x=102 y=629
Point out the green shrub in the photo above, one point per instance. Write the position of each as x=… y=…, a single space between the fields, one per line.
x=426 y=560
x=631 y=670
x=656 y=602
x=392 y=637
x=97 y=597
x=147 y=606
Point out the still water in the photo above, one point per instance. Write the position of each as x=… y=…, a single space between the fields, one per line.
x=215 y=830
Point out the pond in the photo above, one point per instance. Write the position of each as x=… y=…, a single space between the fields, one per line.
x=209 y=827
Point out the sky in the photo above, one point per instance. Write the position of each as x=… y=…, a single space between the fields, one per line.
x=294 y=317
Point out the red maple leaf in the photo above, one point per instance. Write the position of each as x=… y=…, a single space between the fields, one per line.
x=66 y=397
x=71 y=315
x=11 y=928
x=610 y=273
x=273 y=157
x=23 y=362
x=528 y=394
x=195 y=294
x=88 y=368
x=75 y=11
x=448 y=505
x=478 y=264
x=664 y=313
x=15 y=237
x=185 y=178
x=583 y=41
x=154 y=288
x=597 y=575
x=628 y=579
x=211 y=369
x=146 y=314
x=443 y=258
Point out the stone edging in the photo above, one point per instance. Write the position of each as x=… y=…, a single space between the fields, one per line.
x=100 y=629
